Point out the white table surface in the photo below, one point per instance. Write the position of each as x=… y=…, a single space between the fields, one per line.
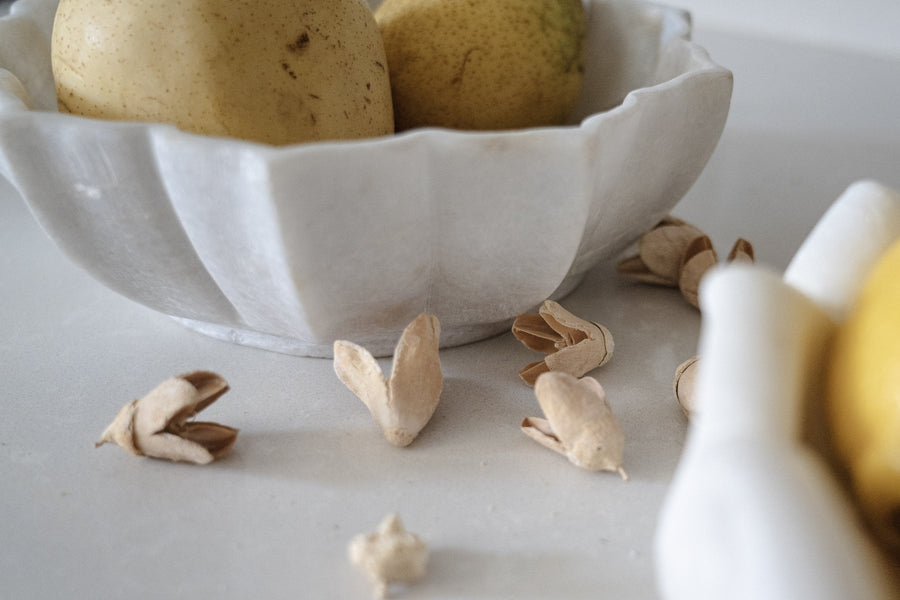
x=504 y=517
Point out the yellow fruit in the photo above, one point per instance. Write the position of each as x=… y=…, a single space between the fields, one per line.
x=273 y=71
x=864 y=397
x=483 y=64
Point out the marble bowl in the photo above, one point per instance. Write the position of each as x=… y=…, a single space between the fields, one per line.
x=755 y=509
x=290 y=248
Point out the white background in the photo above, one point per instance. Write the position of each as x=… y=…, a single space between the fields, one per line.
x=869 y=26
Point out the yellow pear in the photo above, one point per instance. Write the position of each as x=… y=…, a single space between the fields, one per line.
x=483 y=64
x=272 y=71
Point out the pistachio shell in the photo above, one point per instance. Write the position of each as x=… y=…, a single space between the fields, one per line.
x=403 y=403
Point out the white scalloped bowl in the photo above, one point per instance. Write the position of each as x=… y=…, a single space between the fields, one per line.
x=290 y=248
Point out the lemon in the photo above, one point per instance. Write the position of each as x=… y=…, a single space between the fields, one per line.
x=863 y=397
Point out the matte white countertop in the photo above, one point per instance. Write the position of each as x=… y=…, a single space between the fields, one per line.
x=504 y=517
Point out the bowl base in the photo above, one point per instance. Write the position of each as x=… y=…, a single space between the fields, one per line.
x=379 y=346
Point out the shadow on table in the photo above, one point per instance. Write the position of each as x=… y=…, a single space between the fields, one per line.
x=473 y=426
x=464 y=573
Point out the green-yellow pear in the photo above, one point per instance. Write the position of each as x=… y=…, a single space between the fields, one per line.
x=483 y=64
x=272 y=71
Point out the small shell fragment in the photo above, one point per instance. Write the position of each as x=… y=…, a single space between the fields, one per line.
x=572 y=345
x=389 y=555
x=403 y=403
x=579 y=422
x=158 y=424
x=685 y=380
x=741 y=252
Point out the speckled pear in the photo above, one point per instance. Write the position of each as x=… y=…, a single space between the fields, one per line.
x=272 y=71
x=483 y=64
